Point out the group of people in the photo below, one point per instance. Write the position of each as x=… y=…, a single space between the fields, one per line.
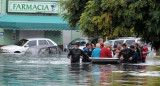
x=136 y=52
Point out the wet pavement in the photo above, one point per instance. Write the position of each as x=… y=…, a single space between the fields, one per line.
x=57 y=71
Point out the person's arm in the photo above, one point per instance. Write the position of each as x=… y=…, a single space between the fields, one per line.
x=119 y=56
x=69 y=54
x=131 y=55
x=83 y=54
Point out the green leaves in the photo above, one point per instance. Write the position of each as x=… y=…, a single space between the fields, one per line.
x=116 y=18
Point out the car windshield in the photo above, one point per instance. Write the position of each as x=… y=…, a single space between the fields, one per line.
x=21 y=42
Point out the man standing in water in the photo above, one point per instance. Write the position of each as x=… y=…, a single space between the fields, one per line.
x=126 y=54
x=75 y=54
x=88 y=51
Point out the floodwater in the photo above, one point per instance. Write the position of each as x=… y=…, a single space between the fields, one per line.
x=57 y=71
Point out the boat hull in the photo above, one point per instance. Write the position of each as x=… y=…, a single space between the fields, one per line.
x=105 y=60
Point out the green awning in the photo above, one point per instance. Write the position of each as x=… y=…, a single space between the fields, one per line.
x=20 y=22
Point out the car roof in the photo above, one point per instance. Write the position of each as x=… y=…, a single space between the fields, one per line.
x=128 y=39
x=37 y=38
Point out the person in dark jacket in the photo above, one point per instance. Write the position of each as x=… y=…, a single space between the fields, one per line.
x=135 y=54
x=138 y=51
x=75 y=54
x=88 y=51
x=126 y=54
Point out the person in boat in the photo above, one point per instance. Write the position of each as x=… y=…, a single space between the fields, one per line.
x=75 y=54
x=88 y=51
x=92 y=47
x=100 y=41
x=126 y=54
x=105 y=51
x=119 y=48
x=135 y=54
x=116 y=54
x=96 y=52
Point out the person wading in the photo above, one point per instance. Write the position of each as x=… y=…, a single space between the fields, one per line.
x=126 y=54
x=75 y=54
x=88 y=51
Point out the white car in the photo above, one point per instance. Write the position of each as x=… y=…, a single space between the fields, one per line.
x=127 y=40
x=24 y=44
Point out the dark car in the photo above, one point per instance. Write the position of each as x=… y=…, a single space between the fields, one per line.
x=43 y=51
x=82 y=42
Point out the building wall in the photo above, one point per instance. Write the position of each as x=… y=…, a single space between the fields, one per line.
x=0 y=6
x=1 y=37
x=66 y=37
x=10 y=37
x=76 y=34
x=32 y=34
x=60 y=37
x=3 y=6
x=56 y=36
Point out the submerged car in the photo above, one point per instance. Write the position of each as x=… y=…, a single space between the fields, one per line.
x=43 y=51
x=24 y=44
x=82 y=42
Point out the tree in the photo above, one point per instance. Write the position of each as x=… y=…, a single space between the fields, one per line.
x=115 y=18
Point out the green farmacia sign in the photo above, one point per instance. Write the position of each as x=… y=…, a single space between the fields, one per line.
x=33 y=7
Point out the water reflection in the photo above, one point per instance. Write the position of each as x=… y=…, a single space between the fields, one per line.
x=16 y=71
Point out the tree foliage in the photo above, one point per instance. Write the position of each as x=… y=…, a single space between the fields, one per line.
x=115 y=18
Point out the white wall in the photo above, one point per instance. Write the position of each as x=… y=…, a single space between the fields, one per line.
x=66 y=37
x=30 y=34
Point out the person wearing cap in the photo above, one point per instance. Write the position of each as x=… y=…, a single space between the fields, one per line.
x=135 y=54
x=126 y=54
x=96 y=52
x=75 y=54
x=138 y=51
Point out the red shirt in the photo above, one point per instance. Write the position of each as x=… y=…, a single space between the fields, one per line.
x=101 y=46
x=145 y=49
x=105 y=53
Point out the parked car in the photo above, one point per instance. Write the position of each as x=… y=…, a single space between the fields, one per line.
x=43 y=51
x=82 y=42
x=124 y=40
x=21 y=46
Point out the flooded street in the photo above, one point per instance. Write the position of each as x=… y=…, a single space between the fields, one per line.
x=57 y=71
